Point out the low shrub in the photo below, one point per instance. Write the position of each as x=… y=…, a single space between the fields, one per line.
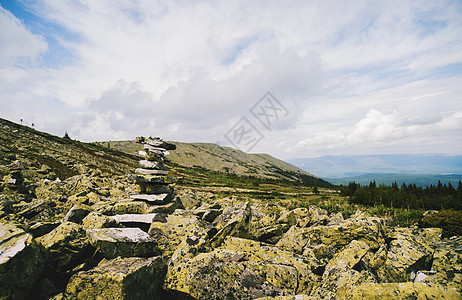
x=449 y=220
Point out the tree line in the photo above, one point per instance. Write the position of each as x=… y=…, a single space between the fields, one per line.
x=433 y=197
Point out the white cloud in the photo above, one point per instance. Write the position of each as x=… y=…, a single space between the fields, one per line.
x=18 y=45
x=378 y=130
x=353 y=76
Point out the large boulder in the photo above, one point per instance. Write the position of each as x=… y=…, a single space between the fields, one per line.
x=234 y=221
x=305 y=268
x=171 y=230
x=37 y=209
x=344 y=268
x=243 y=269
x=125 y=242
x=67 y=246
x=21 y=262
x=325 y=241
x=120 y=278
x=409 y=252
x=222 y=274
x=298 y=216
x=447 y=264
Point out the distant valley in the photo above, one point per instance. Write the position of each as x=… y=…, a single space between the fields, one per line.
x=421 y=169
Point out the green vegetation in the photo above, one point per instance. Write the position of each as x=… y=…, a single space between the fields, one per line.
x=449 y=220
x=407 y=196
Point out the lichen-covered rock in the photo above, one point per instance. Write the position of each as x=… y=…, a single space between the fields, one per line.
x=447 y=264
x=66 y=245
x=129 y=207
x=318 y=216
x=165 y=208
x=97 y=220
x=341 y=269
x=334 y=237
x=406 y=290
x=120 y=278
x=222 y=275
x=190 y=199
x=171 y=230
x=234 y=221
x=271 y=234
x=299 y=216
x=335 y=219
x=37 y=210
x=409 y=252
x=39 y=229
x=303 y=267
x=296 y=297
x=125 y=242
x=77 y=213
x=79 y=185
x=21 y=261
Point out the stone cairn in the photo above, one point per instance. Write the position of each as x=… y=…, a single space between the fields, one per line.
x=152 y=176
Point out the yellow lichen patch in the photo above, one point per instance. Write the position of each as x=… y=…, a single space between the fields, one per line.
x=396 y=291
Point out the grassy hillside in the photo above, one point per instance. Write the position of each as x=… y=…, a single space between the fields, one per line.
x=199 y=164
x=62 y=157
x=42 y=157
x=227 y=161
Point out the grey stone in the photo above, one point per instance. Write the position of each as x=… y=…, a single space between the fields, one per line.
x=151 y=165
x=150 y=172
x=152 y=198
x=125 y=242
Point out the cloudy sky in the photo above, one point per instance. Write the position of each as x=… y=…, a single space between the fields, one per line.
x=345 y=77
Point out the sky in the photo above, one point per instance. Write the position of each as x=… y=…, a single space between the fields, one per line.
x=290 y=78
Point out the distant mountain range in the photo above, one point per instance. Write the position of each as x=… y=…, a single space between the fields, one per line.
x=421 y=169
x=388 y=178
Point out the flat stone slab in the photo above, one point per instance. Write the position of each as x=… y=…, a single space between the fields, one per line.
x=149 y=179
x=156 y=150
x=12 y=241
x=154 y=165
x=128 y=218
x=150 y=172
x=152 y=198
x=124 y=242
x=142 y=222
x=160 y=144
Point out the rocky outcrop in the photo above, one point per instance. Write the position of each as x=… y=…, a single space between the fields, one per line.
x=325 y=241
x=22 y=261
x=67 y=246
x=120 y=278
x=124 y=242
x=408 y=253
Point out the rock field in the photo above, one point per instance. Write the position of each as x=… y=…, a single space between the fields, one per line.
x=96 y=235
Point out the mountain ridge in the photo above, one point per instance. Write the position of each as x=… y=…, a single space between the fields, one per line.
x=222 y=159
x=331 y=166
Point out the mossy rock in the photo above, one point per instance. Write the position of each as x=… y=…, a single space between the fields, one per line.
x=120 y=278
x=22 y=261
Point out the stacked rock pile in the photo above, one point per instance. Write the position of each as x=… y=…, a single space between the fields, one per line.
x=151 y=176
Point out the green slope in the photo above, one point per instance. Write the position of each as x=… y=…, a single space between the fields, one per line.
x=226 y=160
